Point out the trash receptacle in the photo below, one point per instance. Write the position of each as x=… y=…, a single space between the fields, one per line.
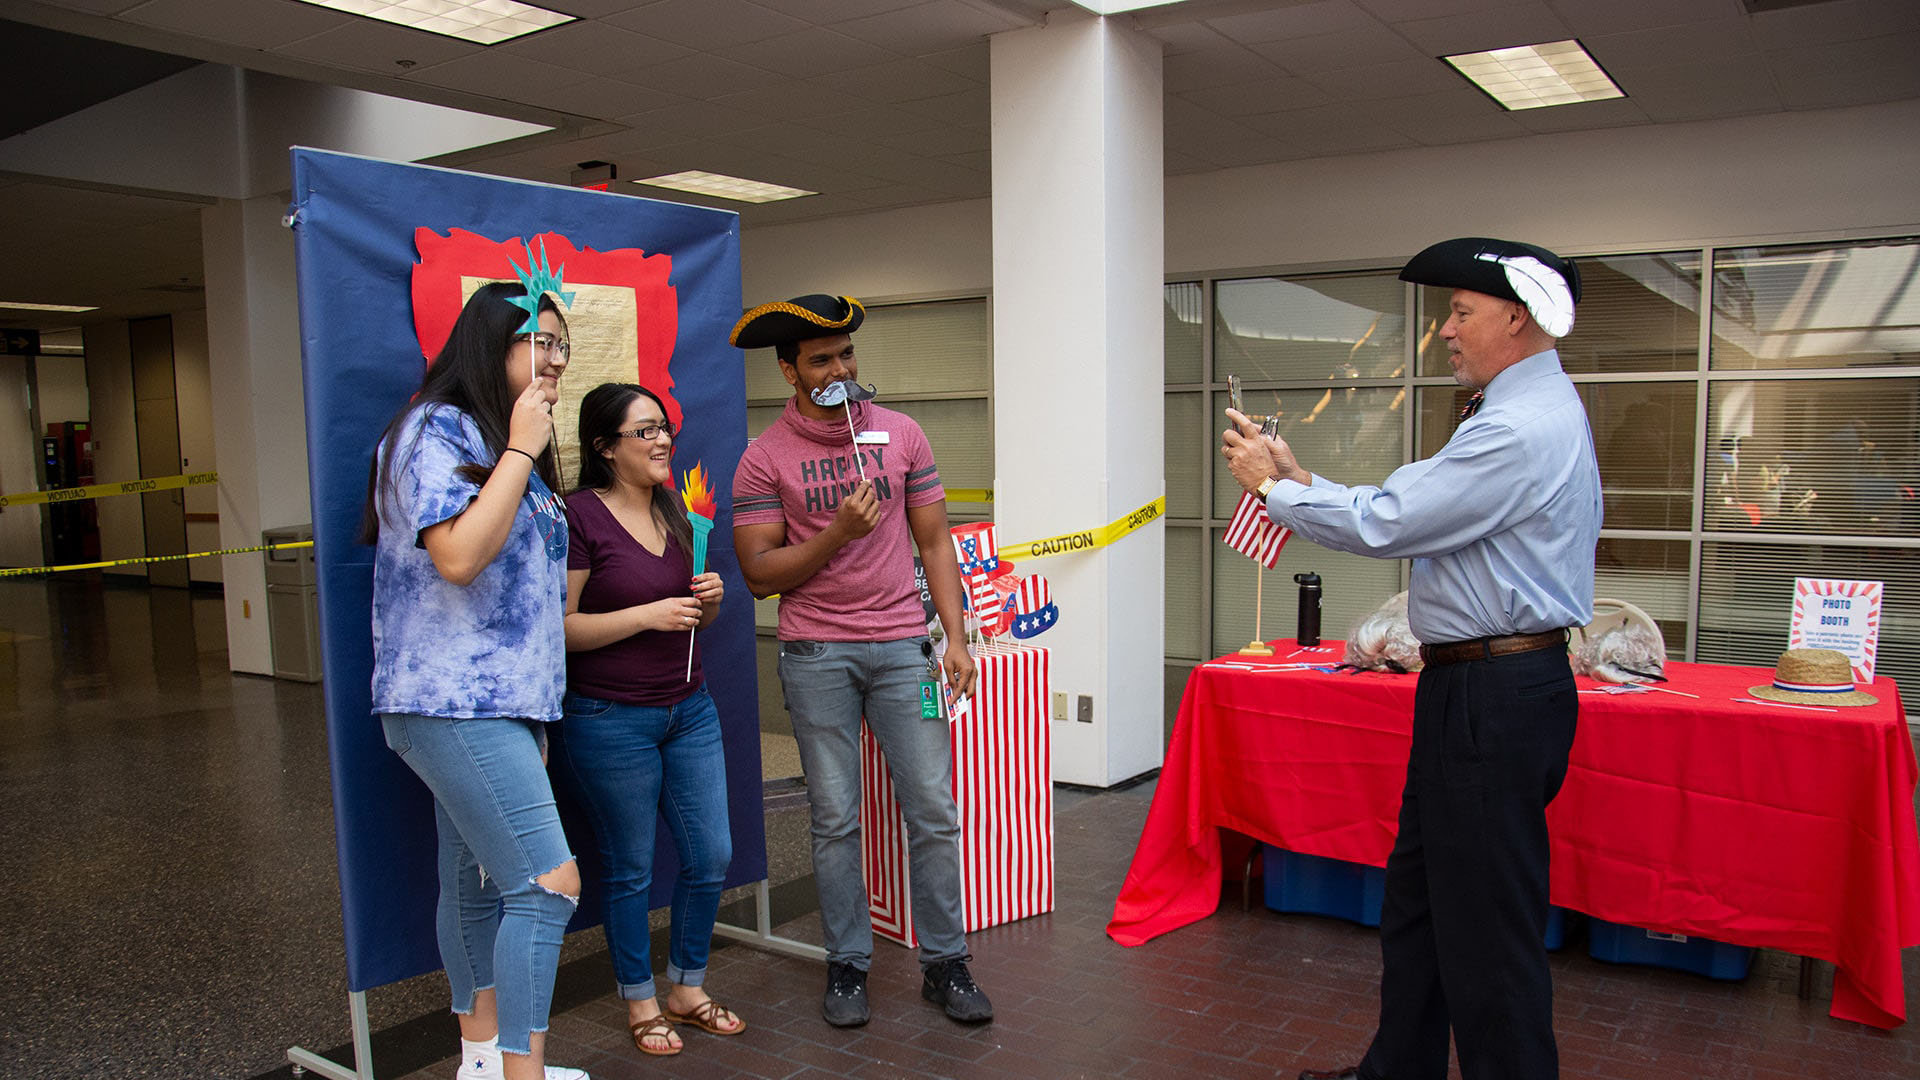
x=293 y=605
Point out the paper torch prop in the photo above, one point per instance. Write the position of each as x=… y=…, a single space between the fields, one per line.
x=697 y=495
x=538 y=279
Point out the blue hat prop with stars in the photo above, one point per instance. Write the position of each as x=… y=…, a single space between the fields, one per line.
x=1034 y=612
x=1526 y=274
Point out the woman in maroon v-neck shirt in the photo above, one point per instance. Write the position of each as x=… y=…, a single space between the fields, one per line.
x=641 y=736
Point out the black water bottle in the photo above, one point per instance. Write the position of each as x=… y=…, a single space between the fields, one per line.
x=1307 y=630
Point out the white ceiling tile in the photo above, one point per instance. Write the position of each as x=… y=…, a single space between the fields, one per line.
x=896 y=81
x=367 y=45
x=1329 y=130
x=1834 y=21
x=965 y=107
x=1503 y=28
x=593 y=47
x=1267 y=95
x=1620 y=16
x=677 y=120
x=499 y=76
x=1849 y=73
x=972 y=61
x=1614 y=112
x=97 y=7
x=1346 y=49
x=937 y=27
x=1187 y=37
x=597 y=97
x=238 y=22
x=591 y=9
x=793 y=99
x=814 y=11
x=700 y=75
x=706 y=24
x=1301 y=20
x=1707 y=88
x=875 y=121
x=1229 y=65
x=978 y=160
x=811 y=208
x=1626 y=55
x=1403 y=10
x=1400 y=78
x=810 y=52
x=942 y=141
x=1438 y=119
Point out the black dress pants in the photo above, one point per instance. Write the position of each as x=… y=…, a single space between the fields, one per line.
x=1466 y=895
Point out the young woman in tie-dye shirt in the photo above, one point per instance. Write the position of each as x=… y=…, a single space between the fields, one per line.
x=469 y=592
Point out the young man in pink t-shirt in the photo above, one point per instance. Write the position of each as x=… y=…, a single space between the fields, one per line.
x=834 y=535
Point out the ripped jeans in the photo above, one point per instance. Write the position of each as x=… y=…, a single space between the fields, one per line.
x=498 y=928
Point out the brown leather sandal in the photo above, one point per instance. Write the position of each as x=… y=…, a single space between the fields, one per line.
x=654 y=1027
x=703 y=1016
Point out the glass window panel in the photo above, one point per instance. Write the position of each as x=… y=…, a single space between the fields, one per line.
x=1439 y=414
x=1186 y=301
x=1187 y=445
x=1814 y=456
x=961 y=434
x=1352 y=434
x=1643 y=436
x=1636 y=313
x=1353 y=586
x=1746 y=599
x=1343 y=326
x=1652 y=576
x=1186 y=637
x=761 y=417
x=927 y=348
x=1816 y=305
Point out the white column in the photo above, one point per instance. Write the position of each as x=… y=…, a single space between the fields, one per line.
x=259 y=417
x=1078 y=256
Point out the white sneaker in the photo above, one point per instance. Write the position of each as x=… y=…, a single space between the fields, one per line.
x=481 y=1061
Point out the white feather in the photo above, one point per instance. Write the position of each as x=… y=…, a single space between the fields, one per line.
x=1541 y=288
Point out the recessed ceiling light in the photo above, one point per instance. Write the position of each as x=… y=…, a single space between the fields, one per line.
x=483 y=22
x=1536 y=76
x=725 y=187
x=48 y=307
x=1115 y=7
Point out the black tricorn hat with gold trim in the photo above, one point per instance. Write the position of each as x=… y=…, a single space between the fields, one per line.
x=811 y=316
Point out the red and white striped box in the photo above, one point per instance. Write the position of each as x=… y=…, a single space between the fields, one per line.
x=1003 y=784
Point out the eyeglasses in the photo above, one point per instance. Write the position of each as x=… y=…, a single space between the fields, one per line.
x=649 y=433
x=546 y=343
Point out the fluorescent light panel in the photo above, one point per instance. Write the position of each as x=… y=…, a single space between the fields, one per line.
x=1536 y=76
x=1115 y=7
x=483 y=22
x=48 y=307
x=725 y=187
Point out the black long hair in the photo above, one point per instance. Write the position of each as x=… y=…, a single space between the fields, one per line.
x=603 y=412
x=469 y=374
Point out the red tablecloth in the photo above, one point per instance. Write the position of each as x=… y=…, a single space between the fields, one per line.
x=1749 y=824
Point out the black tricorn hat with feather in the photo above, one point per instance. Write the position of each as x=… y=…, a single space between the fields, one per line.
x=1525 y=273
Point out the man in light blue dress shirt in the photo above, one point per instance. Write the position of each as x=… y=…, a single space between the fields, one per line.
x=1501 y=526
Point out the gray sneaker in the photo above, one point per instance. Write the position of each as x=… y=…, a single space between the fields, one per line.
x=950 y=985
x=846 y=1002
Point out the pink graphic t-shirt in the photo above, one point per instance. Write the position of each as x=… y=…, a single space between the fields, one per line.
x=797 y=473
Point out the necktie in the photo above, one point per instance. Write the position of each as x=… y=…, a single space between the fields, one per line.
x=1472 y=406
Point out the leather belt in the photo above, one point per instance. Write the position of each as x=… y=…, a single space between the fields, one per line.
x=1486 y=648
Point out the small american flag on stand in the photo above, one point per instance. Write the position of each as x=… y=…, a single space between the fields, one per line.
x=1253 y=534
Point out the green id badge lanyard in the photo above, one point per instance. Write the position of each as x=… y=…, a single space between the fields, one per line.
x=930 y=698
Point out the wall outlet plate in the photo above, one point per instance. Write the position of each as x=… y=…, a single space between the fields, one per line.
x=1084 y=708
x=1060 y=706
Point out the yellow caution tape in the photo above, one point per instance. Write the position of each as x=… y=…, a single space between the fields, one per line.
x=152 y=558
x=970 y=495
x=1088 y=539
x=98 y=491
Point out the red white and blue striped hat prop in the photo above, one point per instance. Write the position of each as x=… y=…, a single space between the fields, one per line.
x=1034 y=611
x=977 y=546
x=1813 y=677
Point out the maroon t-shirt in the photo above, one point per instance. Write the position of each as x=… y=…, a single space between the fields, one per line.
x=649 y=668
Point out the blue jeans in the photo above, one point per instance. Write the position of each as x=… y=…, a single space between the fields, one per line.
x=498 y=928
x=637 y=764
x=829 y=685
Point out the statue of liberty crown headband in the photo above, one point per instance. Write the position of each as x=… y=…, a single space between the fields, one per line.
x=538 y=279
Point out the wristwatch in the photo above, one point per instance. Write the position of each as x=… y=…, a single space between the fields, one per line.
x=1266 y=487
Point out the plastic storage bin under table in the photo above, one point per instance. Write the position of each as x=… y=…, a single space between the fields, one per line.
x=1618 y=944
x=1314 y=885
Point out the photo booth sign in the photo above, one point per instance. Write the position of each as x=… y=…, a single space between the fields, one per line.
x=387 y=255
x=1003 y=784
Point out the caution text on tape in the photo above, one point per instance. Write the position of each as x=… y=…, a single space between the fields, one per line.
x=101 y=491
x=23 y=570
x=1087 y=539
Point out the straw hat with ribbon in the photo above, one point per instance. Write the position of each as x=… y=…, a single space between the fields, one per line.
x=1813 y=677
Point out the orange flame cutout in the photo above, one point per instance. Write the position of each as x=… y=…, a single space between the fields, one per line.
x=696 y=493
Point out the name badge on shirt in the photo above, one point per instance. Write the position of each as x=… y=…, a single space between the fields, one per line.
x=873 y=438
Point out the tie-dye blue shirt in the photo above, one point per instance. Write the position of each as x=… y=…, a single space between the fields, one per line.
x=493 y=647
